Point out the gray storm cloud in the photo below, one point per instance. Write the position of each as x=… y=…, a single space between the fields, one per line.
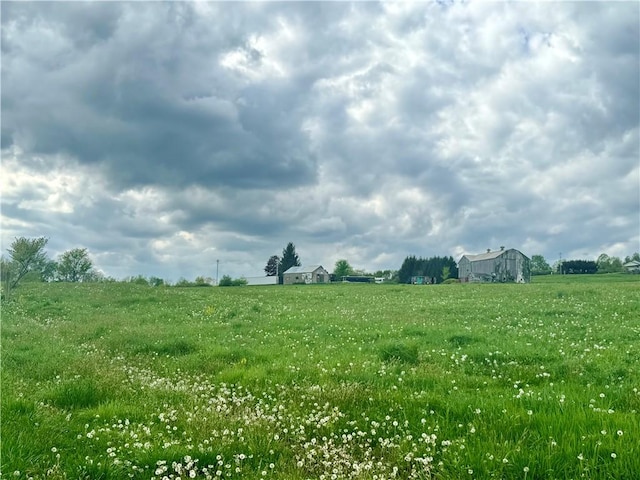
x=191 y=132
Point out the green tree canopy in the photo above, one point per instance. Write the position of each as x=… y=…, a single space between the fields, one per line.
x=634 y=257
x=607 y=264
x=342 y=269
x=539 y=265
x=25 y=255
x=74 y=265
x=433 y=268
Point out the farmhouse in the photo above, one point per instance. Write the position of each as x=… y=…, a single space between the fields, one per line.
x=632 y=267
x=499 y=266
x=310 y=274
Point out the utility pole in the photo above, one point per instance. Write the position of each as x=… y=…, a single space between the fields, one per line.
x=217 y=268
x=560 y=263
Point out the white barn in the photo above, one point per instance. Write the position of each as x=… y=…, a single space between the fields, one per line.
x=500 y=266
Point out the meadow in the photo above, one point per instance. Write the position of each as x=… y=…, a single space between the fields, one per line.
x=344 y=381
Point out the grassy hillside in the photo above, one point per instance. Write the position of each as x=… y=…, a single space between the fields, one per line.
x=337 y=381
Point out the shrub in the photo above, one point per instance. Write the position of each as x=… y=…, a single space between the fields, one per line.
x=449 y=281
x=227 y=281
x=203 y=281
x=139 y=280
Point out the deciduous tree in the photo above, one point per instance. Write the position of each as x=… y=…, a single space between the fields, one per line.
x=539 y=265
x=25 y=255
x=631 y=258
x=73 y=265
x=607 y=264
x=342 y=269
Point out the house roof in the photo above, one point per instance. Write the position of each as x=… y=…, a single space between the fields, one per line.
x=632 y=263
x=307 y=269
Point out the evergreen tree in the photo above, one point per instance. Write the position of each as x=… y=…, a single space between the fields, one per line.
x=289 y=259
x=433 y=268
x=271 y=269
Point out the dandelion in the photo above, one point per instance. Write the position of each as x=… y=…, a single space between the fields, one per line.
x=54 y=449
x=613 y=455
x=525 y=469
x=619 y=432
x=581 y=457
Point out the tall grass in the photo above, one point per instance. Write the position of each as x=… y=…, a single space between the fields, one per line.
x=338 y=381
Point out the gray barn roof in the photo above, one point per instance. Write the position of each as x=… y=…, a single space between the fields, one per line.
x=308 y=269
x=488 y=255
x=484 y=256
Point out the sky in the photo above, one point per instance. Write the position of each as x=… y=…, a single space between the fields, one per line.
x=182 y=139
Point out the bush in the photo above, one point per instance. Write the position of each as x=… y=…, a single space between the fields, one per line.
x=139 y=280
x=449 y=281
x=227 y=281
x=203 y=282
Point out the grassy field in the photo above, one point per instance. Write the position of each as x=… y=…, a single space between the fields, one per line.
x=116 y=381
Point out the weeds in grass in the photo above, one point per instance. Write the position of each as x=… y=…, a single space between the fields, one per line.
x=77 y=393
x=367 y=382
x=399 y=352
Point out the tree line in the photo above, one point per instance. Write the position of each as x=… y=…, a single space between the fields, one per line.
x=433 y=269
x=604 y=264
x=27 y=258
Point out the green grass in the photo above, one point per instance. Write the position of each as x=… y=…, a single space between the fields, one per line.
x=111 y=381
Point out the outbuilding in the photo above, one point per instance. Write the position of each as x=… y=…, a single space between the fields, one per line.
x=632 y=267
x=498 y=266
x=310 y=274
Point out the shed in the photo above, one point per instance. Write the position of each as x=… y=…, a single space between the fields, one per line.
x=310 y=274
x=502 y=265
